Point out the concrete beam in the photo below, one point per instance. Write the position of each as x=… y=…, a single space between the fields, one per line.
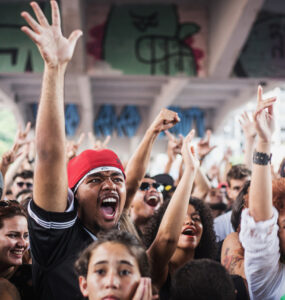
x=230 y=24
x=7 y=100
x=246 y=95
x=86 y=108
x=71 y=12
x=169 y=92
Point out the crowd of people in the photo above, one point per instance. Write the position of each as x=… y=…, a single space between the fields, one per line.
x=81 y=225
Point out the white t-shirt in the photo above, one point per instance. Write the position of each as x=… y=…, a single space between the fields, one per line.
x=223 y=226
x=264 y=272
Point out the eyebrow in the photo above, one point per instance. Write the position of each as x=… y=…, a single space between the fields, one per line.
x=125 y=262
x=196 y=213
x=103 y=176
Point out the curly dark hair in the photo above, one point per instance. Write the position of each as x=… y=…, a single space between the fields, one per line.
x=207 y=247
x=126 y=239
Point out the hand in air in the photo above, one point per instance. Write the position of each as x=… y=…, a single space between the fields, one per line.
x=97 y=144
x=164 y=120
x=203 y=147
x=247 y=126
x=54 y=47
x=264 y=117
x=188 y=154
x=174 y=145
x=73 y=146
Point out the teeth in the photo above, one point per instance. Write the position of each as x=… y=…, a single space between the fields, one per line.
x=109 y=200
x=17 y=252
x=152 y=198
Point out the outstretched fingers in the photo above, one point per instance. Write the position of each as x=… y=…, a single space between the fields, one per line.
x=189 y=136
x=39 y=14
x=55 y=14
x=267 y=103
x=106 y=142
x=73 y=38
x=31 y=34
x=32 y=22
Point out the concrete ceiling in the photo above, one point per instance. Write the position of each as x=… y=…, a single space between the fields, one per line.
x=230 y=23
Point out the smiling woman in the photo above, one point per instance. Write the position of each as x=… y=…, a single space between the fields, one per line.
x=14 y=241
x=114 y=267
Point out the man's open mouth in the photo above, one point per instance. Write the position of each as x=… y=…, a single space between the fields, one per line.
x=109 y=207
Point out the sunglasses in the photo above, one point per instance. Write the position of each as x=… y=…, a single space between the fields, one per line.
x=145 y=186
x=9 y=203
x=28 y=184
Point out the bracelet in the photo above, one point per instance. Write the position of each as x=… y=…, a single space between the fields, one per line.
x=260 y=158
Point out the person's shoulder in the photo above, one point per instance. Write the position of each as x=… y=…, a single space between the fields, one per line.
x=223 y=217
x=233 y=240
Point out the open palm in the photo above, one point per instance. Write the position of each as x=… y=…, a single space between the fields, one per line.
x=53 y=46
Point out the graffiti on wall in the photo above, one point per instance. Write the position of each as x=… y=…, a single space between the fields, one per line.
x=17 y=52
x=264 y=51
x=126 y=124
x=72 y=118
x=147 y=39
x=189 y=118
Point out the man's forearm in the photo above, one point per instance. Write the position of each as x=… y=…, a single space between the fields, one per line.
x=50 y=130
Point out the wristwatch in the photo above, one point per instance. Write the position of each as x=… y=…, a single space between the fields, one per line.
x=260 y=158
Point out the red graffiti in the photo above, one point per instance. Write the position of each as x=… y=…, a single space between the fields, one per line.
x=95 y=47
x=198 y=53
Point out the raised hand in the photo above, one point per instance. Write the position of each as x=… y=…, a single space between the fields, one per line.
x=263 y=117
x=21 y=137
x=54 y=47
x=143 y=291
x=165 y=120
x=97 y=144
x=203 y=147
x=247 y=126
x=73 y=146
x=174 y=145
x=188 y=153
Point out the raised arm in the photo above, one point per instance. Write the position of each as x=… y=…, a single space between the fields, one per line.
x=138 y=163
x=165 y=243
x=173 y=148
x=50 y=178
x=260 y=195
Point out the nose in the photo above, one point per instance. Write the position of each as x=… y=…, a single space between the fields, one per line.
x=188 y=221
x=112 y=280
x=109 y=184
x=22 y=242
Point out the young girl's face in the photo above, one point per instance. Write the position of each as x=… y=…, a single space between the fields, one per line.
x=113 y=274
x=14 y=241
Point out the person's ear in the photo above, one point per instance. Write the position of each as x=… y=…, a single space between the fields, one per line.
x=83 y=286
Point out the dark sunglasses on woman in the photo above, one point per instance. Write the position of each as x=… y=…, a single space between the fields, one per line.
x=145 y=186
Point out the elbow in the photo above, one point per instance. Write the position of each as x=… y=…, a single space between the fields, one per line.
x=168 y=241
x=49 y=151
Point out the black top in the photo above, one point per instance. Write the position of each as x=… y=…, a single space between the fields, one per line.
x=56 y=239
x=164 y=292
x=22 y=279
